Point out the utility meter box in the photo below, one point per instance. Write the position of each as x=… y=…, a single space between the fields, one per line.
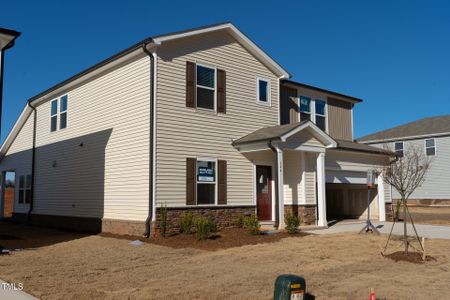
x=289 y=287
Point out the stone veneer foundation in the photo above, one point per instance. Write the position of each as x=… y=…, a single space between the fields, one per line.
x=223 y=216
x=307 y=213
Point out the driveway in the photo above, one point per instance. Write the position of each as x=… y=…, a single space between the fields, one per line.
x=428 y=231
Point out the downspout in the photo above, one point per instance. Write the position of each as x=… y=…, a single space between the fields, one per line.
x=2 y=66
x=277 y=194
x=151 y=200
x=33 y=162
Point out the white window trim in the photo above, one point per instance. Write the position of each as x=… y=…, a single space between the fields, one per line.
x=206 y=87
x=403 y=148
x=215 y=160
x=269 y=100
x=58 y=113
x=312 y=110
x=425 y=145
x=24 y=189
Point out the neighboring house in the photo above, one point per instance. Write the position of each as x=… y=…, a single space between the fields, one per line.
x=433 y=136
x=200 y=120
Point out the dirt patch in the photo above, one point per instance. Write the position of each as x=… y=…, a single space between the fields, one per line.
x=430 y=215
x=224 y=239
x=337 y=266
x=412 y=257
x=227 y=238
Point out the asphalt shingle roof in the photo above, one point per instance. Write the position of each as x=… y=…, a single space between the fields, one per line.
x=426 y=126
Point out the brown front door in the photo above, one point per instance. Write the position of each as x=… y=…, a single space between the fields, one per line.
x=264 y=193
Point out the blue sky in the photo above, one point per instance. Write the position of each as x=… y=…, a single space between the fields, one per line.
x=393 y=54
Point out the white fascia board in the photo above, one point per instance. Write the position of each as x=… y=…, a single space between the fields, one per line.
x=26 y=112
x=240 y=37
x=253 y=147
x=328 y=141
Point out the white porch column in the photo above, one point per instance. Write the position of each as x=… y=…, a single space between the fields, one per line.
x=280 y=188
x=321 y=197
x=381 y=200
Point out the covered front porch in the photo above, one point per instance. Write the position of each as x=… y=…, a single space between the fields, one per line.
x=292 y=174
x=289 y=172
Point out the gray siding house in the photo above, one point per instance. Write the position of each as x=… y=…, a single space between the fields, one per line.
x=433 y=136
x=201 y=120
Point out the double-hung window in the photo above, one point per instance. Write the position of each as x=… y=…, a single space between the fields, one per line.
x=430 y=147
x=206 y=87
x=398 y=147
x=206 y=181
x=24 y=189
x=58 y=111
x=314 y=110
x=320 y=114
x=305 y=108
x=263 y=91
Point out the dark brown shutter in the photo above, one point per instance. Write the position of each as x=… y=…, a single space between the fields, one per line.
x=190 y=180
x=222 y=181
x=221 y=91
x=190 y=84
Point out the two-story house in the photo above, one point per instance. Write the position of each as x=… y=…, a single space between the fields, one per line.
x=201 y=120
x=431 y=137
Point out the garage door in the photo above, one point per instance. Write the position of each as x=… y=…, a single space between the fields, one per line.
x=346 y=200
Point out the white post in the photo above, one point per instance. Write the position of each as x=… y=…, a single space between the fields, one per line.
x=381 y=200
x=321 y=197
x=280 y=178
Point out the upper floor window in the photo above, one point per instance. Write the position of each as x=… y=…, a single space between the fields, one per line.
x=398 y=147
x=58 y=111
x=320 y=114
x=305 y=108
x=206 y=87
x=314 y=110
x=263 y=91
x=430 y=147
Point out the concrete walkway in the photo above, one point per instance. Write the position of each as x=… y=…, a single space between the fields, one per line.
x=428 y=231
x=8 y=293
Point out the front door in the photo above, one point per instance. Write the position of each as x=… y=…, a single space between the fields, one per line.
x=264 y=193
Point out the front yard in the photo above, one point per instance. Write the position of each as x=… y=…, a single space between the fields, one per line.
x=56 y=265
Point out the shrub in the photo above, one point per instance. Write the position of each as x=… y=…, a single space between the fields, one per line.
x=186 y=222
x=251 y=223
x=204 y=227
x=163 y=221
x=240 y=221
x=292 y=223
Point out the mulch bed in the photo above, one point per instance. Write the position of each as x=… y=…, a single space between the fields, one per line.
x=225 y=238
x=412 y=257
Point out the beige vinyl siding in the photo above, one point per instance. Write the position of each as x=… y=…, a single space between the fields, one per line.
x=18 y=159
x=99 y=165
x=185 y=132
x=305 y=138
x=387 y=193
x=340 y=119
x=292 y=177
x=310 y=178
x=353 y=161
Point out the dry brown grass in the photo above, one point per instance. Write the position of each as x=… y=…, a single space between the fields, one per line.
x=341 y=266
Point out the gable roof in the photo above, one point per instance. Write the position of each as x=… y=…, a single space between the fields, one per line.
x=281 y=133
x=129 y=52
x=427 y=127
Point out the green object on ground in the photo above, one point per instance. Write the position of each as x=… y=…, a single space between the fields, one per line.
x=289 y=287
